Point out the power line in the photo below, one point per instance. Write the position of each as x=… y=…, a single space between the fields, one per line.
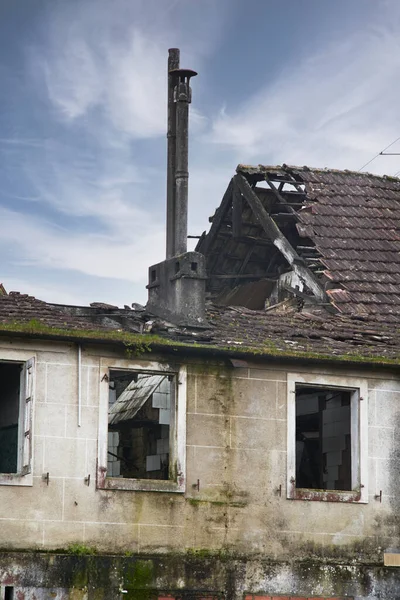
x=379 y=154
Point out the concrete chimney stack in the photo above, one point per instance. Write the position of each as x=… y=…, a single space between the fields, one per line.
x=173 y=64
x=177 y=285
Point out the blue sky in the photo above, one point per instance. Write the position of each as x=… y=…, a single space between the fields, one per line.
x=83 y=120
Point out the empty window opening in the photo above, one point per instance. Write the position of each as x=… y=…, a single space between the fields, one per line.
x=177 y=267
x=8 y=592
x=10 y=376
x=153 y=275
x=140 y=421
x=194 y=266
x=323 y=438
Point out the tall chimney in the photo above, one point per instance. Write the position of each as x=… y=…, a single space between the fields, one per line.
x=178 y=147
x=173 y=64
x=177 y=285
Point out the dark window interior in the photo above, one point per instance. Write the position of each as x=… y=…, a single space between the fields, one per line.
x=9 y=416
x=323 y=442
x=139 y=424
x=8 y=592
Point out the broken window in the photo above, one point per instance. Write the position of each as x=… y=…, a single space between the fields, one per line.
x=8 y=592
x=15 y=418
x=141 y=410
x=327 y=438
x=142 y=426
x=323 y=438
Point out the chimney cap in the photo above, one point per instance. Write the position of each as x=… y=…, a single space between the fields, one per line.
x=183 y=73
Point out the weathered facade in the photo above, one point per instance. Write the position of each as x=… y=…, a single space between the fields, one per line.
x=234 y=528
x=243 y=447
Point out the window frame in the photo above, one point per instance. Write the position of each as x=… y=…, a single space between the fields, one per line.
x=24 y=474
x=178 y=439
x=359 y=438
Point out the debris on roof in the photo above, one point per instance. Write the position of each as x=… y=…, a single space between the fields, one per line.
x=286 y=333
x=342 y=227
x=301 y=263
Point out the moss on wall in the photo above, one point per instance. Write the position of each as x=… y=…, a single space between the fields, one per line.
x=185 y=574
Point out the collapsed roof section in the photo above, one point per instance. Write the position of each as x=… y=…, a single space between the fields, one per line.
x=233 y=331
x=325 y=237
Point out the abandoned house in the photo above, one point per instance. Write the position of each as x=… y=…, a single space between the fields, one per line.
x=238 y=436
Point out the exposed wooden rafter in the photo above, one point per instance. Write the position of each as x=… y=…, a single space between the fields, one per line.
x=277 y=238
x=217 y=219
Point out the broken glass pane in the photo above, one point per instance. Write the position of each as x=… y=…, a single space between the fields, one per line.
x=139 y=424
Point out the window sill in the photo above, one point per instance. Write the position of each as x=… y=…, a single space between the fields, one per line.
x=16 y=479
x=327 y=495
x=140 y=485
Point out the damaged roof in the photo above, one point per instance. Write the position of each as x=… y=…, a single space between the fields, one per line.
x=301 y=264
x=286 y=333
x=344 y=227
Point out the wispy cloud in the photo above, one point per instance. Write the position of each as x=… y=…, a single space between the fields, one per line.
x=102 y=74
x=335 y=108
x=38 y=243
x=115 y=60
x=98 y=173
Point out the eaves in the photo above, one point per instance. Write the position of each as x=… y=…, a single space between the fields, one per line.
x=143 y=343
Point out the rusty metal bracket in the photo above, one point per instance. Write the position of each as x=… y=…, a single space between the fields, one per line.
x=379 y=496
x=279 y=491
x=105 y=377
x=87 y=480
x=196 y=486
x=46 y=477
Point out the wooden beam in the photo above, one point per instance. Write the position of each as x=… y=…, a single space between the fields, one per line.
x=237 y=209
x=205 y=244
x=244 y=263
x=245 y=223
x=264 y=276
x=284 y=216
x=299 y=294
x=278 y=239
x=228 y=256
x=279 y=196
x=245 y=239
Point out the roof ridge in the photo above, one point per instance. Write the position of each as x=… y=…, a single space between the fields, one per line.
x=284 y=167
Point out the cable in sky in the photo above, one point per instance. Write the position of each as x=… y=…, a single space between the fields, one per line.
x=379 y=153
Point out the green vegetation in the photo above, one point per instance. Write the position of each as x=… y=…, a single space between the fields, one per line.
x=137 y=344
x=80 y=550
x=139 y=580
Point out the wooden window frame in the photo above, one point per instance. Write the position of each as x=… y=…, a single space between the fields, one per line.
x=24 y=474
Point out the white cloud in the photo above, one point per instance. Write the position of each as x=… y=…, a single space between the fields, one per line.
x=115 y=60
x=73 y=81
x=337 y=108
x=39 y=244
x=105 y=76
